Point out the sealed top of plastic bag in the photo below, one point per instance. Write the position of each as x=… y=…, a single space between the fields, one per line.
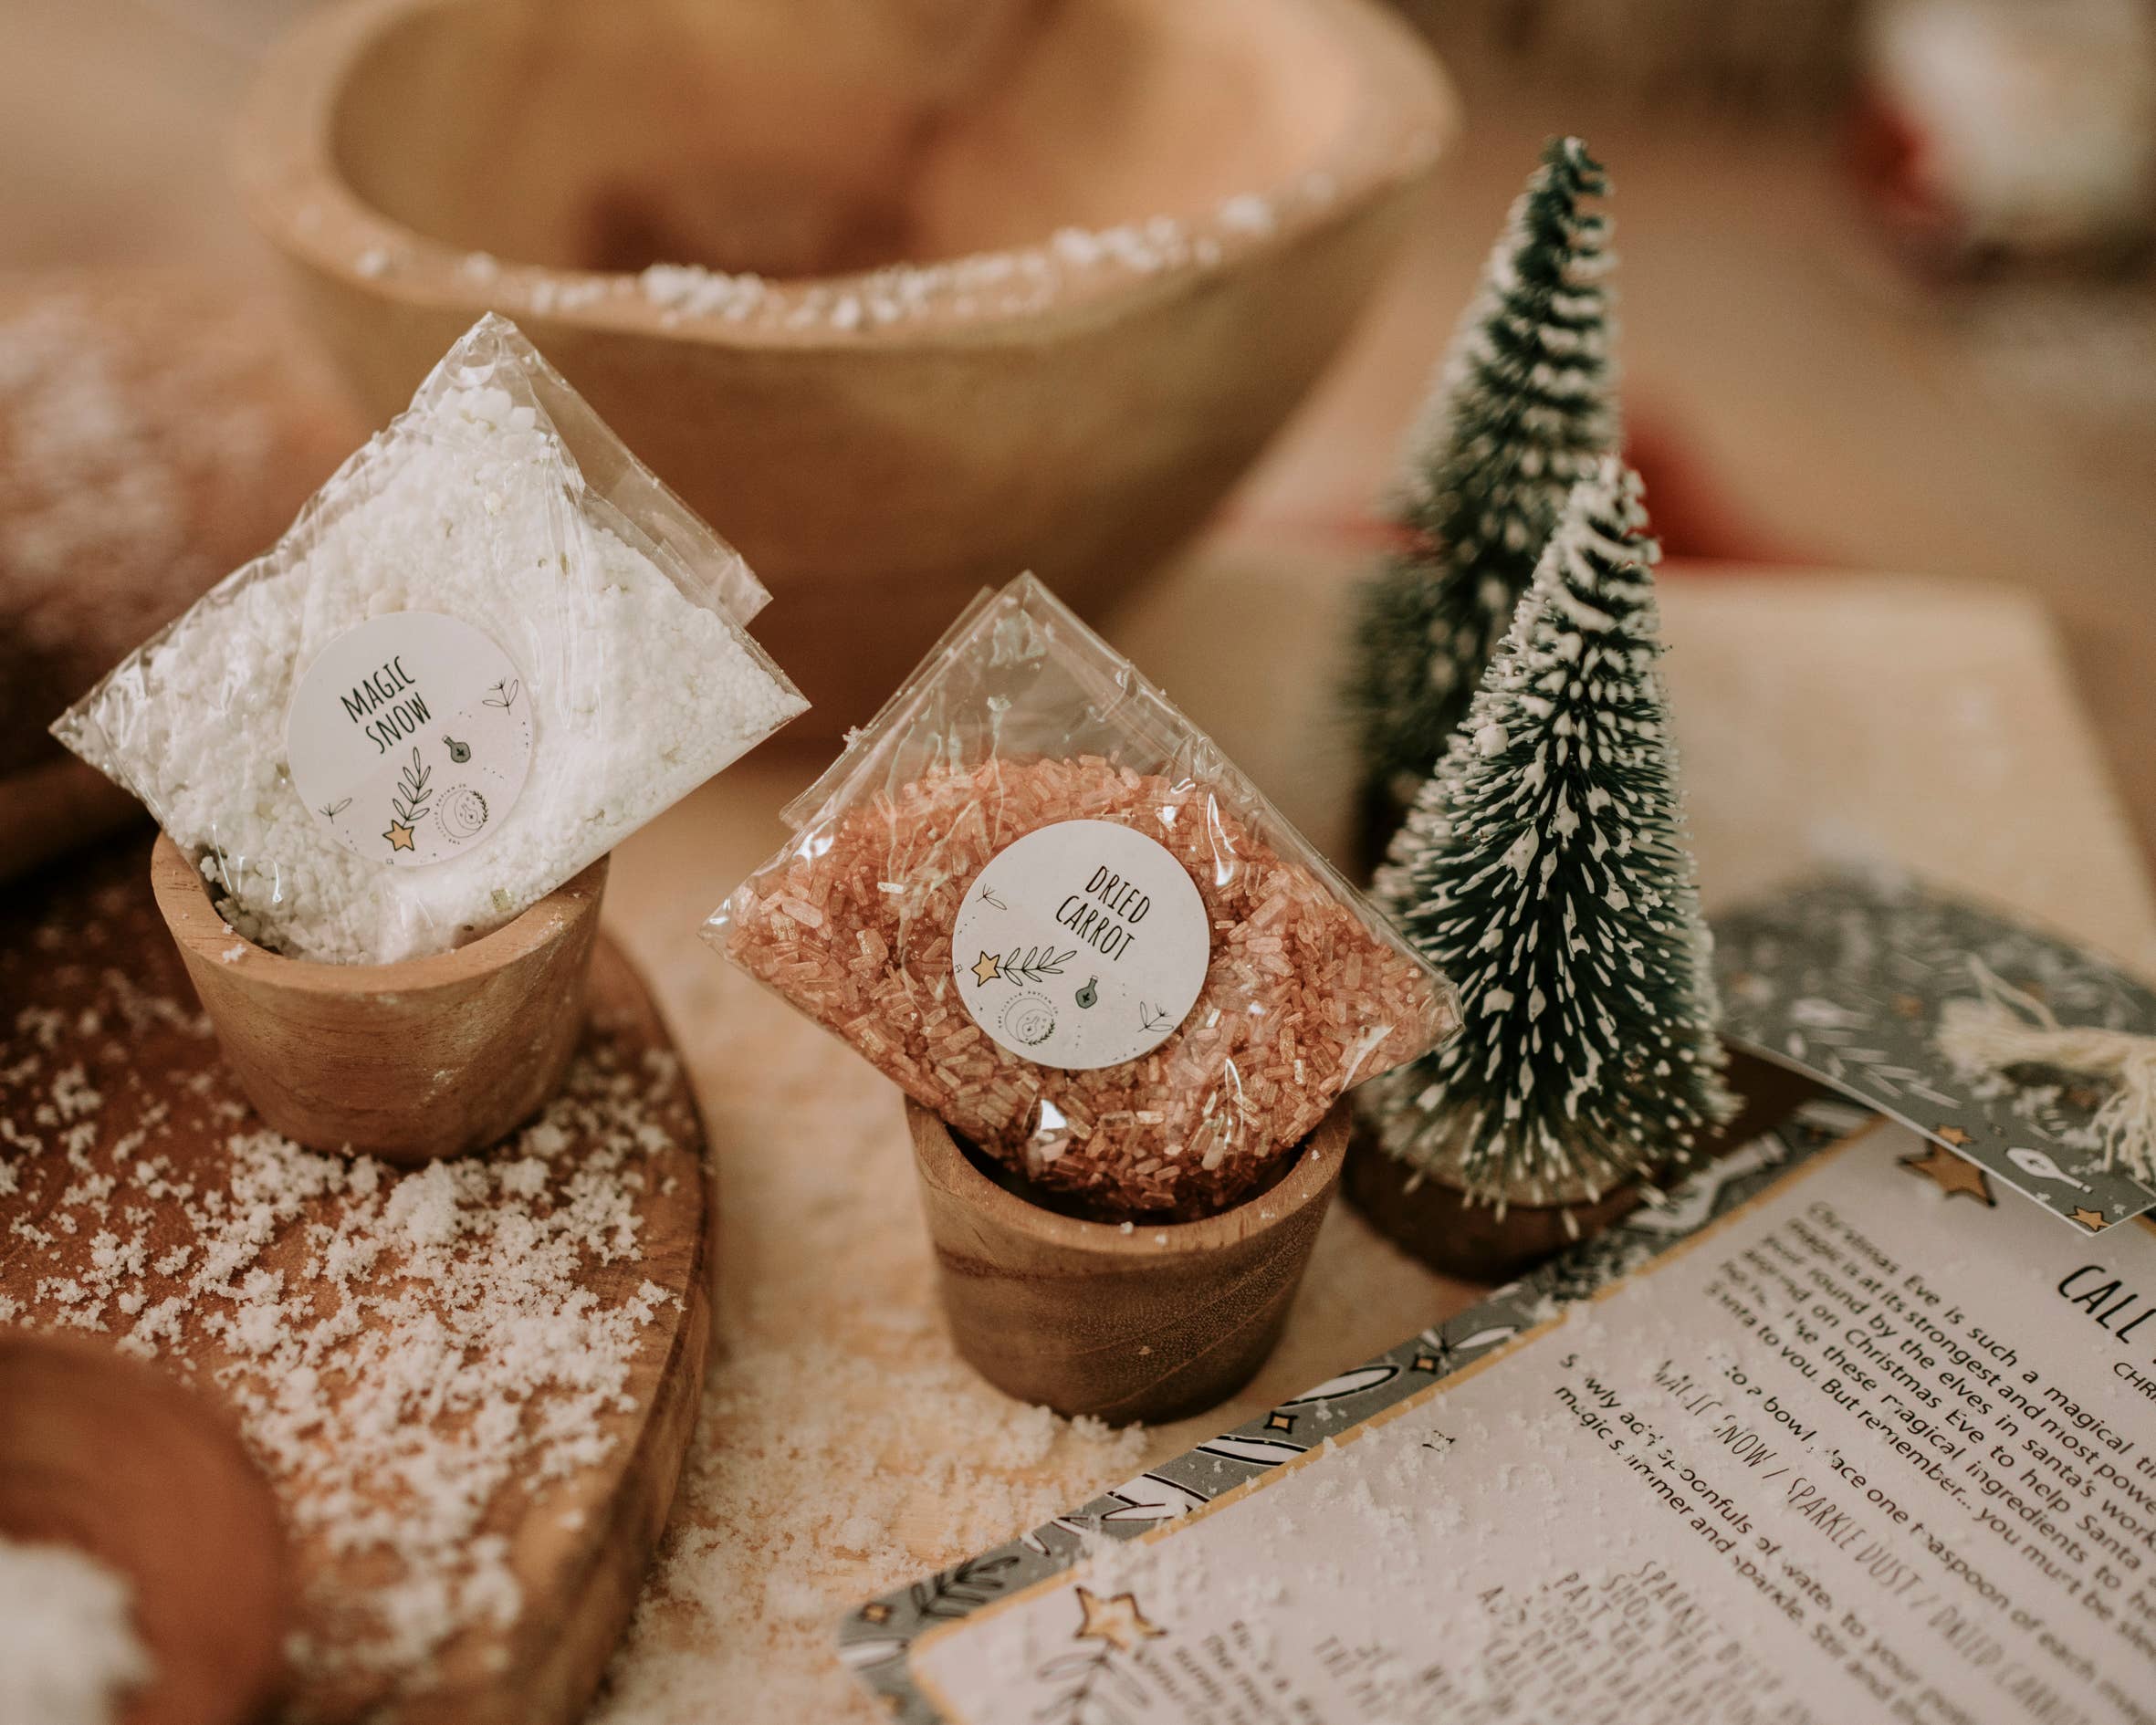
x=1037 y=896
x=489 y=648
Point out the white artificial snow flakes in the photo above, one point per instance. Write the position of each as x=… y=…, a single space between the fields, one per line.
x=979 y=285
x=69 y=1653
x=497 y=500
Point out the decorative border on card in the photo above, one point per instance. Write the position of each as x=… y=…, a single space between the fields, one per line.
x=1844 y=979
x=875 y=1640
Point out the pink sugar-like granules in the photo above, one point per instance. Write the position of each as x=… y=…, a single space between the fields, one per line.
x=1301 y=998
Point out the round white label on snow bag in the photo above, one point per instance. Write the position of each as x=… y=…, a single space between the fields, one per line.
x=409 y=736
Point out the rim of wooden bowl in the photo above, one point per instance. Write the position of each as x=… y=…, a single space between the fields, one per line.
x=1308 y=1180
x=160 y=1405
x=285 y=163
x=183 y=898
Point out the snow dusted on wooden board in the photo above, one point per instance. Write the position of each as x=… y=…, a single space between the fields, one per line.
x=427 y=1364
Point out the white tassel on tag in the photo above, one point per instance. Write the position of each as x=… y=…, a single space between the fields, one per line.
x=2007 y=1027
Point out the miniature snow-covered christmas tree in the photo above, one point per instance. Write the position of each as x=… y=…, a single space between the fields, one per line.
x=1522 y=409
x=1557 y=890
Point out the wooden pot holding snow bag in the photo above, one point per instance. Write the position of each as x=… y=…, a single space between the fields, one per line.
x=408 y=1061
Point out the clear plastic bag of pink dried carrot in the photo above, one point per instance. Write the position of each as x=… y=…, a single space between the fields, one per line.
x=1039 y=898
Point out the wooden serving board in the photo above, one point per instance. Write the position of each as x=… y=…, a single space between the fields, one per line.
x=471 y=1385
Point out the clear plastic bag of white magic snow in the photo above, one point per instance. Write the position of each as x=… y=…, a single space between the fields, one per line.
x=489 y=648
x=1038 y=897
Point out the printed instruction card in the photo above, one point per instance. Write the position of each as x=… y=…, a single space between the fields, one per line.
x=1846 y=1431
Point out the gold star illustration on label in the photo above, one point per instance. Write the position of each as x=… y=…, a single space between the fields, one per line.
x=1116 y=1621
x=2093 y=1220
x=1951 y=1175
x=1953 y=1135
x=399 y=836
x=988 y=966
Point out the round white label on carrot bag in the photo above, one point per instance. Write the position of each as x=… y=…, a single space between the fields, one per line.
x=1083 y=945
x=409 y=736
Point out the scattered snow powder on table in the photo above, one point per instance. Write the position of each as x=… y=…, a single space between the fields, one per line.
x=68 y=1651
x=594 y=671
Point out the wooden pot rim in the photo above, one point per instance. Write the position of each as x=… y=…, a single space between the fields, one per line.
x=184 y=899
x=285 y=167
x=50 y=1353
x=1308 y=1181
x=202 y=1462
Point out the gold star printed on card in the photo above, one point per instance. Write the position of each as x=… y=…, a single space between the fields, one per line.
x=988 y=966
x=2093 y=1220
x=1953 y=1135
x=1951 y=1175
x=1116 y=1621
x=877 y=1612
x=399 y=836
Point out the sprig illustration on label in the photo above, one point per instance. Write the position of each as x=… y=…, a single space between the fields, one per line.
x=415 y=790
x=503 y=694
x=1035 y=963
x=1153 y=1018
x=331 y=810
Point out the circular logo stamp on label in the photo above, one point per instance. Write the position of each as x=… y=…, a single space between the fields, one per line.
x=1028 y=1019
x=409 y=736
x=1081 y=945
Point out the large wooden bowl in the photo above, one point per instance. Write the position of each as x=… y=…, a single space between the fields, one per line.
x=409 y=1061
x=120 y=1461
x=878 y=442
x=1147 y=1322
